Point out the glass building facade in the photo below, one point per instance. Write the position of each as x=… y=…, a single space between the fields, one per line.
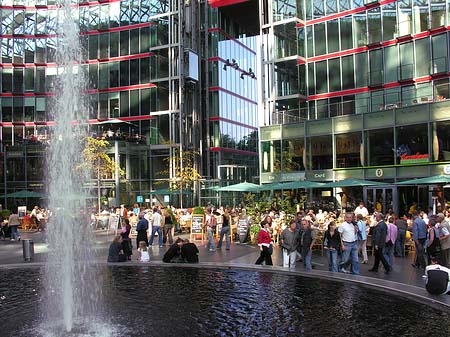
x=157 y=87
x=356 y=89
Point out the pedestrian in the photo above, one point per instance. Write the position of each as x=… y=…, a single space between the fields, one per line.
x=143 y=254
x=265 y=245
x=157 y=221
x=126 y=241
x=173 y=254
x=115 y=252
x=211 y=225
x=362 y=236
x=391 y=239
x=437 y=278
x=13 y=224
x=349 y=246
x=289 y=242
x=307 y=241
x=402 y=226
x=379 y=242
x=168 y=226
x=419 y=237
x=444 y=239
x=141 y=229
x=189 y=252
x=225 y=230
x=332 y=244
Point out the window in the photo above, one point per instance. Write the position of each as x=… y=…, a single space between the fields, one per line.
x=348 y=150
x=319 y=152
x=412 y=144
x=439 y=53
x=406 y=61
x=441 y=147
x=423 y=54
x=379 y=145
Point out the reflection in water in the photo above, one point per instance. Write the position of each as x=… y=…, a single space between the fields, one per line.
x=170 y=301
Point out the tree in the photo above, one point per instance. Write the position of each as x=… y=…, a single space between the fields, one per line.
x=184 y=173
x=98 y=163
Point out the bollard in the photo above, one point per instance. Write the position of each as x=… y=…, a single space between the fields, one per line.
x=28 y=250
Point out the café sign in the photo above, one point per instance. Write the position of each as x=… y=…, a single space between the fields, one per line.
x=414 y=159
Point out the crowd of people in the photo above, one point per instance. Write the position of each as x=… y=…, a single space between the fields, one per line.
x=345 y=238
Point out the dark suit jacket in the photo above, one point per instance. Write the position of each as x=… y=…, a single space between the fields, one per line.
x=379 y=235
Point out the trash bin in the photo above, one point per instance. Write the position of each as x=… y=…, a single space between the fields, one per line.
x=28 y=250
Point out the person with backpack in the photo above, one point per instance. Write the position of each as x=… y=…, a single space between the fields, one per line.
x=437 y=278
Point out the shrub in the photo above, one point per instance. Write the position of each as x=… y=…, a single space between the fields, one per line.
x=198 y=210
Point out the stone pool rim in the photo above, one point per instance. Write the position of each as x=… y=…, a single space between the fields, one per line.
x=414 y=293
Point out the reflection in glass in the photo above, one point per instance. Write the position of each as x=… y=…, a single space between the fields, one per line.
x=348 y=150
x=320 y=153
x=380 y=146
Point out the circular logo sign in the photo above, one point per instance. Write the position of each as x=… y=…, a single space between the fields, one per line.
x=379 y=172
x=447 y=169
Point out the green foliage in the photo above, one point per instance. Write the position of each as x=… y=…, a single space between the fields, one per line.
x=198 y=210
x=183 y=166
x=6 y=213
x=97 y=160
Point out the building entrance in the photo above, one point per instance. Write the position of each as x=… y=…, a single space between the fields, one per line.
x=381 y=199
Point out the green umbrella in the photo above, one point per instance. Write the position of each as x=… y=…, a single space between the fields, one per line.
x=351 y=182
x=439 y=179
x=301 y=184
x=25 y=194
x=241 y=187
x=271 y=187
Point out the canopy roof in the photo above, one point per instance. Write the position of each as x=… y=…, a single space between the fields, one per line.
x=439 y=179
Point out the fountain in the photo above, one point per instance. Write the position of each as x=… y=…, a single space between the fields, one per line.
x=148 y=300
x=72 y=291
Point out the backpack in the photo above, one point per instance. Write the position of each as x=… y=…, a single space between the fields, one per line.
x=437 y=282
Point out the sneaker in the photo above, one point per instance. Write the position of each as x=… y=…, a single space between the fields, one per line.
x=345 y=271
x=212 y=250
x=13 y=240
x=424 y=276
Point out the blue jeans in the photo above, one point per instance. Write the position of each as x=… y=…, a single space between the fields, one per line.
x=350 y=256
x=160 y=236
x=224 y=231
x=211 y=242
x=14 y=232
x=388 y=253
x=400 y=242
x=332 y=259
x=307 y=259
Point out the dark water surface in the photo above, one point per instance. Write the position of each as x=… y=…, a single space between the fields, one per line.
x=144 y=301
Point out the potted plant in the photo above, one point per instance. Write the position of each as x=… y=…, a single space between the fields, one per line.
x=254 y=231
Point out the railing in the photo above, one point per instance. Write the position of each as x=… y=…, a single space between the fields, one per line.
x=364 y=105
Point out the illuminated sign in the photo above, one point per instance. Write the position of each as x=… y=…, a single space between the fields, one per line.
x=223 y=3
x=413 y=159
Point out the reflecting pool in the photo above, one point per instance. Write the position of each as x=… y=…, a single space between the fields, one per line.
x=172 y=301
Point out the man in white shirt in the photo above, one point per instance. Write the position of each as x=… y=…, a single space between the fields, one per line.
x=349 y=245
x=157 y=220
x=361 y=210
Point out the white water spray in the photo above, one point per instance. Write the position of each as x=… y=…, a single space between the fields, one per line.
x=73 y=289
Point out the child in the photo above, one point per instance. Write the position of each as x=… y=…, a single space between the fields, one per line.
x=143 y=252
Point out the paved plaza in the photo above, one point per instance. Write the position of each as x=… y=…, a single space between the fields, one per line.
x=404 y=279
